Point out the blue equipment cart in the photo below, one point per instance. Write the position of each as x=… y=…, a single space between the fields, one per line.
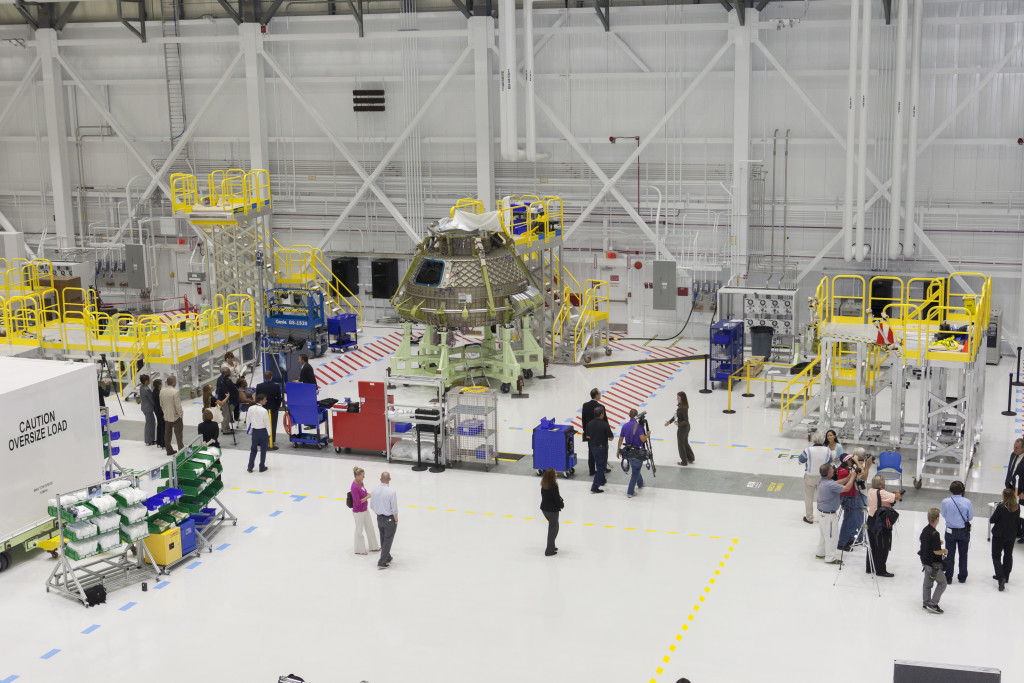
x=297 y=315
x=304 y=412
x=726 y=349
x=343 y=332
x=554 y=447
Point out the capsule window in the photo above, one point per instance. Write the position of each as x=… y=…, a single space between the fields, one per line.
x=429 y=273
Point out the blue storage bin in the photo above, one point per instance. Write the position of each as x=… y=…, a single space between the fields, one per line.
x=188 y=536
x=547 y=422
x=471 y=427
x=402 y=427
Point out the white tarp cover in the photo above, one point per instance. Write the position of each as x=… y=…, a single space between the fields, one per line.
x=470 y=222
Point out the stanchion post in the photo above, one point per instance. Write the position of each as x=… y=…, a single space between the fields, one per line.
x=746 y=367
x=1017 y=382
x=1009 y=398
x=707 y=370
x=729 y=410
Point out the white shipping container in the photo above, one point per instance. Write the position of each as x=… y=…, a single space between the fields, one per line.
x=50 y=438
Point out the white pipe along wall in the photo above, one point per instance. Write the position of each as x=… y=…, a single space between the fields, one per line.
x=531 y=110
x=851 y=132
x=898 y=118
x=508 y=70
x=915 y=100
x=862 y=148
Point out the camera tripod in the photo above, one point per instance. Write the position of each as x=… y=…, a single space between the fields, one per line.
x=861 y=539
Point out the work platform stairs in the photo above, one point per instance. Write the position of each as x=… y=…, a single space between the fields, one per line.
x=931 y=329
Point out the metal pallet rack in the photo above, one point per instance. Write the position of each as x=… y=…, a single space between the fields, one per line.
x=472 y=426
x=119 y=571
x=421 y=403
x=173 y=473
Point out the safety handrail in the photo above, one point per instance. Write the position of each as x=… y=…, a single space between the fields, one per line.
x=467 y=204
x=807 y=379
x=184 y=192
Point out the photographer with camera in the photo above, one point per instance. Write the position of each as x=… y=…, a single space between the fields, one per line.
x=957 y=513
x=854 y=502
x=830 y=491
x=635 y=433
x=881 y=518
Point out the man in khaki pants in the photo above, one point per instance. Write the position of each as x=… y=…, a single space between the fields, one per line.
x=813 y=457
x=170 y=403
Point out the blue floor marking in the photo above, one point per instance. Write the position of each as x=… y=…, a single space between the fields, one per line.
x=49 y=654
x=223 y=546
x=275 y=513
x=126 y=607
x=193 y=565
x=258 y=493
x=91 y=629
x=161 y=585
x=10 y=679
x=250 y=530
x=296 y=497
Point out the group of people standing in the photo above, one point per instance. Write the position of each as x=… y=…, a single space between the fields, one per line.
x=633 y=434
x=832 y=482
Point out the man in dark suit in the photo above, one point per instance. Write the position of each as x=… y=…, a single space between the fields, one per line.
x=1015 y=478
x=588 y=415
x=272 y=391
x=306 y=374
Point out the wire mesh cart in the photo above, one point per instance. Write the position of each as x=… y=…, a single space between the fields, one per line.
x=472 y=426
x=726 y=349
x=415 y=414
x=554 y=446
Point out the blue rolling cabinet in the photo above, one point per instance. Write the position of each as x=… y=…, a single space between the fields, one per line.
x=554 y=447
x=726 y=349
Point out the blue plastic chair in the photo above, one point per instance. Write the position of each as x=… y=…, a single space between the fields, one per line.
x=890 y=461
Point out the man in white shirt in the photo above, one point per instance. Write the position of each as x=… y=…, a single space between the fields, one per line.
x=813 y=457
x=258 y=420
x=384 y=504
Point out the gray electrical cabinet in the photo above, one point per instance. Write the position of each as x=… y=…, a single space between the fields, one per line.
x=135 y=266
x=665 y=285
x=992 y=335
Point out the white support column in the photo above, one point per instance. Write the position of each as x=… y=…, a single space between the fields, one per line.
x=862 y=147
x=851 y=132
x=508 y=86
x=56 y=135
x=742 y=37
x=531 y=103
x=251 y=45
x=899 y=117
x=914 y=113
x=481 y=38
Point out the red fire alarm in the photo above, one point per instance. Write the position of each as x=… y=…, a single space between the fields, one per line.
x=682 y=291
x=181 y=240
x=610 y=254
x=638 y=265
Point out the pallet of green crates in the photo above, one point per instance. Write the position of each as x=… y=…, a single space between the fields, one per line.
x=161 y=523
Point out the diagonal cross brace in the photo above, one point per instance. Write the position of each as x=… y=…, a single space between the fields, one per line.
x=26 y=81
x=340 y=146
x=402 y=137
x=646 y=140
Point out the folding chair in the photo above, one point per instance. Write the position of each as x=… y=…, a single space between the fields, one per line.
x=889 y=462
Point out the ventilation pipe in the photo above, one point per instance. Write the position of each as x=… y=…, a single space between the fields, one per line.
x=862 y=148
x=851 y=132
x=507 y=69
x=915 y=96
x=531 y=112
x=898 y=118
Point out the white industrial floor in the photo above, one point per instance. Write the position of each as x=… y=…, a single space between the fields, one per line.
x=714 y=587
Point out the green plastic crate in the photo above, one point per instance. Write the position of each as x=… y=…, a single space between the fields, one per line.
x=213 y=489
x=193 y=504
x=127 y=539
x=155 y=529
x=75 y=556
x=70 y=533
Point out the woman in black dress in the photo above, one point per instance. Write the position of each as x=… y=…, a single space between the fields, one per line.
x=209 y=430
x=1005 y=519
x=551 y=504
x=682 y=420
x=158 y=384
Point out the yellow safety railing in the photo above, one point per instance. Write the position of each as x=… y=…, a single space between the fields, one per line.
x=467 y=204
x=801 y=388
x=303 y=264
x=742 y=374
x=232 y=189
x=593 y=309
x=888 y=304
x=852 y=303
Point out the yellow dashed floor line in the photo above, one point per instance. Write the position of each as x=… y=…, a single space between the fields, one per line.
x=696 y=608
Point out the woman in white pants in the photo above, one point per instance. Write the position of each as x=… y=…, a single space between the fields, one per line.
x=364 y=533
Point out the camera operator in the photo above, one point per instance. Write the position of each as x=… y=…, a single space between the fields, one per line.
x=880 y=525
x=635 y=434
x=829 y=492
x=854 y=502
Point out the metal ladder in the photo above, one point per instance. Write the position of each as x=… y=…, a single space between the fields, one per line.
x=172 y=70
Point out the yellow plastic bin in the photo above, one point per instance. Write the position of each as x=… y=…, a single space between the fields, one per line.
x=165 y=547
